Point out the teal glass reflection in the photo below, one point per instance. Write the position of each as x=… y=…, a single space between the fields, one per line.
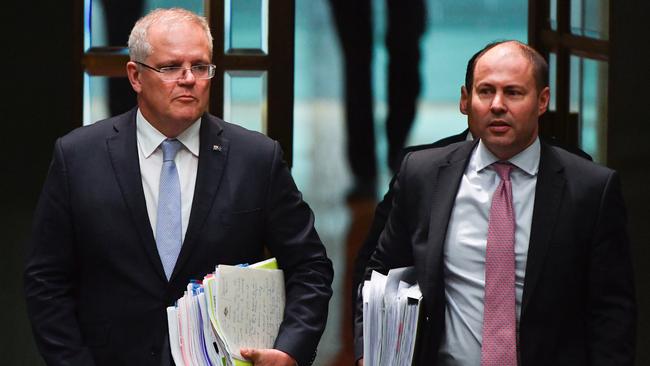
x=124 y=14
x=553 y=14
x=590 y=18
x=552 y=80
x=593 y=124
x=95 y=100
x=589 y=99
x=196 y=6
x=455 y=31
x=245 y=99
x=246 y=26
x=577 y=16
x=105 y=97
x=575 y=82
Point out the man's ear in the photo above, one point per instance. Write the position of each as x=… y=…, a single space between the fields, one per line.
x=133 y=73
x=464 y=100
x=543 y=100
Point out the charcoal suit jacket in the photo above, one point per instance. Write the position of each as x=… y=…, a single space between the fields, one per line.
x=95 y=285
x=384 y=207
x=578 y=305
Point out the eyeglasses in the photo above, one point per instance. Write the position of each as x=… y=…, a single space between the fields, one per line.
x=174 y=73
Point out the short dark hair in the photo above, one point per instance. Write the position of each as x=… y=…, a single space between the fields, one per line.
x=540 y=66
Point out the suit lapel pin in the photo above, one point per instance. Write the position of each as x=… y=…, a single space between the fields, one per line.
x=216 y=148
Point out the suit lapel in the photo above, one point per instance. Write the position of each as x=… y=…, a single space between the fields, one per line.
x=548 y=195
x=446 y=181
x=123 y=151
x=213 y=154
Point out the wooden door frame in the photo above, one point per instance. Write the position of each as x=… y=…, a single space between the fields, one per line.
x=561 y=123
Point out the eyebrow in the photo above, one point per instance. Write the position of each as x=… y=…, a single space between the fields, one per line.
x=179 y=62
x=507 y=86
x=483 y=85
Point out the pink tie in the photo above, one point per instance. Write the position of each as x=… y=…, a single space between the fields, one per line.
x=499 y=319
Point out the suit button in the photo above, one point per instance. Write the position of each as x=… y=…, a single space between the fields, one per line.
x=153 y=353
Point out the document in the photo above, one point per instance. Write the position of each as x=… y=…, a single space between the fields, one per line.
x=411 y=320
x=234 y=307
x=373 y=316
x=174 y=338
x=249 y=307
x=391 y=307
x=209 y=337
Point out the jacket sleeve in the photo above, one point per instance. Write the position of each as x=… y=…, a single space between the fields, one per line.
x=50 y=272
x=308 y=272
x=370 y=243
x=611 y=297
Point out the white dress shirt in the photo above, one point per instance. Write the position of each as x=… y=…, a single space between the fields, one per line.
x=465 y=244
x=150 y=156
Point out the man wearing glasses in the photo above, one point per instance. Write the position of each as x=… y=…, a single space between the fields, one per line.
x=137 y=205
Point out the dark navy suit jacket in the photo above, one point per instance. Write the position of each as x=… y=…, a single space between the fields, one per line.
x=95 y=286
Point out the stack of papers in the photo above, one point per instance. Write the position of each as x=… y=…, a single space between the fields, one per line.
x=391 y=308
x=232 y=308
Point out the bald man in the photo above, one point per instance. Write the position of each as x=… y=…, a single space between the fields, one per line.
x=520 y=247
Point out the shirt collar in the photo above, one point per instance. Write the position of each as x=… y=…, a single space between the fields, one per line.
x=150 y=138
x=190 y=137
x=527 y=160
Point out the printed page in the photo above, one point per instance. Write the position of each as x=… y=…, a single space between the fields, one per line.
x=376 y=318
x=174 y=338
x=208 y=336
x=400 y=357
x=210 y=284
x=414 y=304
x=365 y=293
x=184 y=331
x=392 y=322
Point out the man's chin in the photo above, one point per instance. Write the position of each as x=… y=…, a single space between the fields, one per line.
x=500 y=146
x=497 y=140
x=187 y=117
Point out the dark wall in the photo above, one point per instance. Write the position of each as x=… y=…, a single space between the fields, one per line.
x=628 y=145
x=36 y=108
x=39 y=51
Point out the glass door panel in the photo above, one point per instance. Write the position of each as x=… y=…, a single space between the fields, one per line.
x=245 y=99
x=246 y=26
x=589 y=99
x=590 y=18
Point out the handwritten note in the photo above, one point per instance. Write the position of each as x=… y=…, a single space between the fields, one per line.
x=250 y=306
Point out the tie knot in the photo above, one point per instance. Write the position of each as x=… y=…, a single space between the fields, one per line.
x=170 y=147
x=503 y=169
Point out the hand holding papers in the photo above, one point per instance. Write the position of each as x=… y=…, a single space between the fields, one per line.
x=235 y=307
x=391 y=307
x=268 y=357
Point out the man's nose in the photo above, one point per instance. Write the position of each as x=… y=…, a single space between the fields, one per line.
x=498 y=105
x=187 y=77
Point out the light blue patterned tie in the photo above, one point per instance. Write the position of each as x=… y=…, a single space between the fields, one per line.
x=169 y=229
